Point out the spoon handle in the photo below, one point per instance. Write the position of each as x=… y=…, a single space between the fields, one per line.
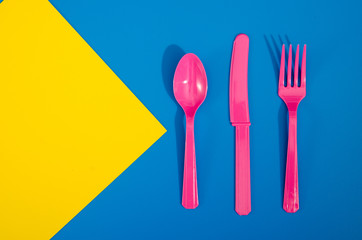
x=189 y=194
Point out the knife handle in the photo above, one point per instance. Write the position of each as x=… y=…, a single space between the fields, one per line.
x=242 y=169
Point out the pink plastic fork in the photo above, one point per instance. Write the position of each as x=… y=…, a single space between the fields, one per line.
x=292 y=94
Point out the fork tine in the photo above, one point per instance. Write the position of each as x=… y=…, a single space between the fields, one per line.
x=282 y=68
x=289 y=76
x=304 y=61
x=296 y=66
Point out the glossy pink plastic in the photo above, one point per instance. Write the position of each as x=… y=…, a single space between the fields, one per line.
x=292 y=94
x=190 y=88
x=239 y=117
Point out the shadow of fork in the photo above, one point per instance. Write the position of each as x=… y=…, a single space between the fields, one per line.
x=275 y=54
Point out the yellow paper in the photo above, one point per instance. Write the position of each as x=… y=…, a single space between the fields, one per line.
x=68 y=125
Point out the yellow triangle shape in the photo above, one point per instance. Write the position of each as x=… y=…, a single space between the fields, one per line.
x=68 y=125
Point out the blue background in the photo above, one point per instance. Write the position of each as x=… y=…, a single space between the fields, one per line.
x=142 y=42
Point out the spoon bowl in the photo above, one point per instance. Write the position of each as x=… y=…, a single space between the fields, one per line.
x=190 y=83
x=190 y=88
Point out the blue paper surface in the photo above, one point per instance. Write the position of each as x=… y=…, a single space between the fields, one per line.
x=142 y=41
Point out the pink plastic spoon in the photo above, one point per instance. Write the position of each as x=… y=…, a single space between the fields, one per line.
x=190 y=88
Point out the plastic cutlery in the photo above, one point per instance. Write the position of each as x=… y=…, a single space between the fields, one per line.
x=239 y=117
x=190 y=88
x=292 y=93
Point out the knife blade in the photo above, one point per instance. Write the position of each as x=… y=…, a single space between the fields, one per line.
x=239 y=117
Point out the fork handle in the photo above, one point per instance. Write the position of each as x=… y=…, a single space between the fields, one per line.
x=242 y=169
x=291 y=195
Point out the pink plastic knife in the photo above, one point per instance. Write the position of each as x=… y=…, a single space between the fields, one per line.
x=239 y=117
